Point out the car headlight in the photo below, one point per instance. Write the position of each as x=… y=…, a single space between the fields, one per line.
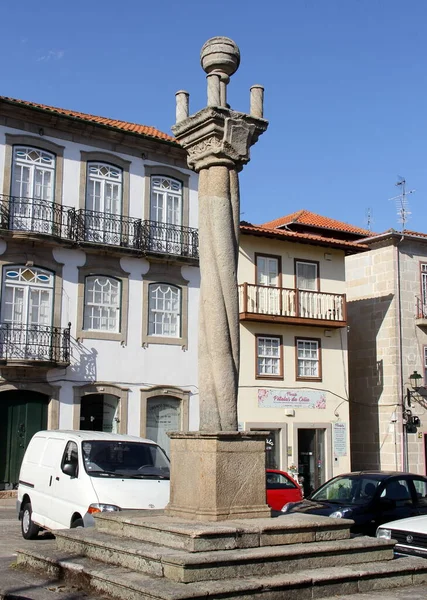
x=344 y=513
x=97 y=508
x=384 y=533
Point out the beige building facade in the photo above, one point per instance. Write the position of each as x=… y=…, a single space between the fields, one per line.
x=387 y=315
x=293 y=333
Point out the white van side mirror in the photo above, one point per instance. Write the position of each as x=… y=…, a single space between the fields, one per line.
x=70 y=469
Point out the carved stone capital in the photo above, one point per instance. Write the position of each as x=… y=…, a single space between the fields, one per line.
x=219 y=136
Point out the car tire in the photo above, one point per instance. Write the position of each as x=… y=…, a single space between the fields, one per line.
x=29 y=529
x=77 y=523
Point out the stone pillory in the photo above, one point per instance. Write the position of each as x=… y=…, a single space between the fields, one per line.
x=217 y=140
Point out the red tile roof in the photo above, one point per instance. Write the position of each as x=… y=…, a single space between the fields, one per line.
x=414 y=233
x=309 y=238
x=305 y=217
x=143 y=130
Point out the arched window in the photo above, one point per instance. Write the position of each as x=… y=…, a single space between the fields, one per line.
x=33 y=173
x=27 y=297
x=104 y=188
x=166 y=200
x=102 y=304
x=103 y=203
x=164 y=310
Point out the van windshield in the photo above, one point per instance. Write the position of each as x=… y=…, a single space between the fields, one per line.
x=125 y=459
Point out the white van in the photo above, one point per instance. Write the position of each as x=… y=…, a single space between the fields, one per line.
x=67 y=476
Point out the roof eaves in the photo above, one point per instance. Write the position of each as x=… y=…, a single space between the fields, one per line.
x=79 y=119
x=303 y=238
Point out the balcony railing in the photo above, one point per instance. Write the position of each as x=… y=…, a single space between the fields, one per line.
x=100 y=228
x=170 y=239
x=34 y=344
x=93 y=227
x=421 y=309
x=258 y=302
x=34 y=215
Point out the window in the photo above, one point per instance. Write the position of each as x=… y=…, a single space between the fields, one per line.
x=164 y=316
x=166 y=200
x=71 y=457
x=269 y=356
x=306 y=274
x=308 y=359
x=104 y=188
x=103 y=203
x=424 y=289
x=267 y=269
x=102 y=304
x=267 y=292
x=27 y=296
x=33 y=173
x=398 y=491
x=421 y=491
x=33 y=179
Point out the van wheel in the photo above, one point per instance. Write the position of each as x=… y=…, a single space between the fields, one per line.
x=29 y=529
x=77 y=523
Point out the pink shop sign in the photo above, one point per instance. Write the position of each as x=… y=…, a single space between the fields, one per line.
x=291 y=399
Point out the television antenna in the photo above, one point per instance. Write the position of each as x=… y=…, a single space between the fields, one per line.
x=369 y=218
x=402 y=202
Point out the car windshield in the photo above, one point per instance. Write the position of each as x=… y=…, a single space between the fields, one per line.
x=356 y=489
x=125 y=459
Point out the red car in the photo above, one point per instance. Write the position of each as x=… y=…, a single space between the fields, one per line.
x=281 y=488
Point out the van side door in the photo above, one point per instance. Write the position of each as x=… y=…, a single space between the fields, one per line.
x=68 y=494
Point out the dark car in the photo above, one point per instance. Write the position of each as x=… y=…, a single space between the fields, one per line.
x=369 y=498
x=281 y=488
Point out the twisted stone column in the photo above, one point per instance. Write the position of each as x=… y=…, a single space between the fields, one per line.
x=219 y=303
x=218 y=472
x=217 y=140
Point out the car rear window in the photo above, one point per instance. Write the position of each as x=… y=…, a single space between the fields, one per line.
x=278 y=481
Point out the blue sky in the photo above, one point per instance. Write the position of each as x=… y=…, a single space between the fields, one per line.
x=345 y=88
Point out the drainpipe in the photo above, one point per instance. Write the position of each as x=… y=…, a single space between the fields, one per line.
x=404 y=456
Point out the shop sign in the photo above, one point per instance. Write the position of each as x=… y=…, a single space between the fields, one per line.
x=340 y=439
x=273 y=398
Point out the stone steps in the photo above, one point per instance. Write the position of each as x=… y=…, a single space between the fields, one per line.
x=141 y=556
x=305 y=584
x=189 y=567
x=155 y=527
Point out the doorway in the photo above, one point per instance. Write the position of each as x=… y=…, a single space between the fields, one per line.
x=311 y=458
x=163 y=415
x=99 y=412
x=22 y=414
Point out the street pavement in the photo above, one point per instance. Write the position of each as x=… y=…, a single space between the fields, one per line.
x=16 y=584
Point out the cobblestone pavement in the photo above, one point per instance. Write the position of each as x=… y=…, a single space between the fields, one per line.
x=21 y=585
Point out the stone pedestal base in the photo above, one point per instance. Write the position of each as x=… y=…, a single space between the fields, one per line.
x=218 y=476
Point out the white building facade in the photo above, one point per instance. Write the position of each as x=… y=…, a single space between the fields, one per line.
x=99 y=279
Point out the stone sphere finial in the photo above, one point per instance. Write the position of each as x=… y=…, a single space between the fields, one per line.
x=220 y=54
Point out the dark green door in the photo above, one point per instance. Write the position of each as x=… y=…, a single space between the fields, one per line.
x=22 y=414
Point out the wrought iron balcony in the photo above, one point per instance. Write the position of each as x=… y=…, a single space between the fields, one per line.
x=286 y=305
x=170 y=239
x=34 y=344
x=34 y=215
x=85 y=226
x=107 y=229
x=421 y=312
